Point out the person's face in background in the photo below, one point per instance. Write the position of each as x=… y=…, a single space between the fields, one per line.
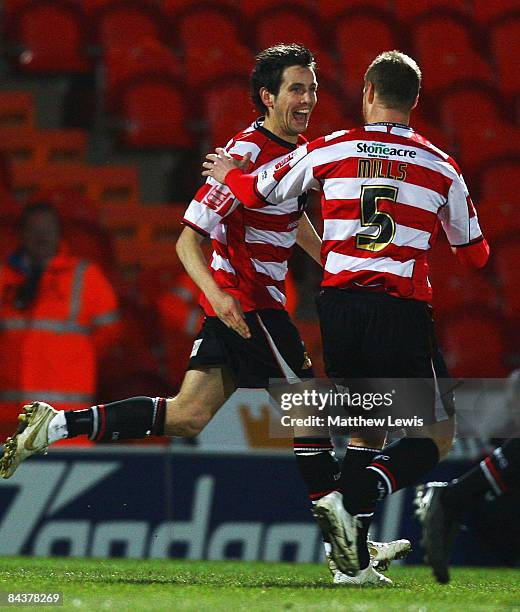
x=41 y=236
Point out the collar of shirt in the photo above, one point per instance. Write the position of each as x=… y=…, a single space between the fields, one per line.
x=391 y=124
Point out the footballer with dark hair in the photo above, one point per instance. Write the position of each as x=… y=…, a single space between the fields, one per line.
x=247 y=336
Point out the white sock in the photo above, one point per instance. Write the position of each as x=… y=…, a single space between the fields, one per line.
x=57 y=429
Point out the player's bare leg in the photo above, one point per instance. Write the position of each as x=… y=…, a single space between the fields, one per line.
x=202 y=393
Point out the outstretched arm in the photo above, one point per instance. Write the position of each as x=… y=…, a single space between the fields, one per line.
x=226 y=307
x=283 y=178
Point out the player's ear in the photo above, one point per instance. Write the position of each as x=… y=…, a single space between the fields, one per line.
x=267 y=97
x=370 y=91
x=415 y=103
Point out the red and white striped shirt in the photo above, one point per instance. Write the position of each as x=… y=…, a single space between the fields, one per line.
x=386 y=191
x=251 y=248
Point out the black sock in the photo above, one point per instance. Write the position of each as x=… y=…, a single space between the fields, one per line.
x=397 y=466
x=355 y=461
x=495 y=473
x=79 y=422
x=127 y=419
x=318 y=466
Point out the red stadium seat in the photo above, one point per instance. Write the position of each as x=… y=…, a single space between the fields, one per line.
x=50 y=35
x=107 y=183
x=328 y=115
x=330 y=9
x=155 y=113
x=494 y=141
x=471 y=115
x=446 y=46
x=474 y=345
x=173 y=7
x=505 y=257
x=228 y=59
x=249 y=8
x=16 y=109
x=206 y=24
x=143 y=235
x=406 y=10
x=500 y=180
x=148 y=57
x=466 y=104
x=43 y=146
x=284 y=23
x=486 y=10
x=455 y=285
x=210 y=39
x=120 y=23
x=356 y=49
x=225 y=121
x=498 y=217
x=503 y=40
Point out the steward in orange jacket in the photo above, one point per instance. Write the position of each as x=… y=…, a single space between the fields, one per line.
x=57 y=314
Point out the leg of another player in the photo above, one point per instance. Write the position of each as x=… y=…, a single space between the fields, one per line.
x=441 y=506
x=202 y=393
x=400 y=464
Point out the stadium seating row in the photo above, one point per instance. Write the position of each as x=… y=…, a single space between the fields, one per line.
x=60 y=36
x=473 y=121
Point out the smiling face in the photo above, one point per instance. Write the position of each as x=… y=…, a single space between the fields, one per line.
x=289 y=112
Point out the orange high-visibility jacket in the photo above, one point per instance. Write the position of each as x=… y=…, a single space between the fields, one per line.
x=48 y=351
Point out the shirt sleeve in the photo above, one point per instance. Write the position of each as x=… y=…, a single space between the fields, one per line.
x=284 y=178
x=210 y=205
x=459 y=217
x=213 y=201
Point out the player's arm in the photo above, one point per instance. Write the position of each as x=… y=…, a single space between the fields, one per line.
x=460 y=222
x=475 y=255
x=308 y=239
x=226 y=307
x=284 y=178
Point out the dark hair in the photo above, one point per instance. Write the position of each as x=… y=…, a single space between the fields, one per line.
x=396 y=78
x=269 y=67
x=38 y=207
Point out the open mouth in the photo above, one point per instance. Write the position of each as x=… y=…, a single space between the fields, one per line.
x=302 y=116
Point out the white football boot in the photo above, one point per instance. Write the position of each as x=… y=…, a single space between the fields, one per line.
x=341 y=529
x=365 y=577
x=383 y=553
x=31 y=437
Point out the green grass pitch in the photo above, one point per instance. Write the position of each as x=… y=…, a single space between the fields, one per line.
x=100 y=584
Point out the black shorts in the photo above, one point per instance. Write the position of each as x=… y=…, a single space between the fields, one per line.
x=377 y=336
x=274 y=351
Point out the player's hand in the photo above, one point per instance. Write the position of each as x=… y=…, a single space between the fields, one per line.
x=218 y=164
x=229 y=311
